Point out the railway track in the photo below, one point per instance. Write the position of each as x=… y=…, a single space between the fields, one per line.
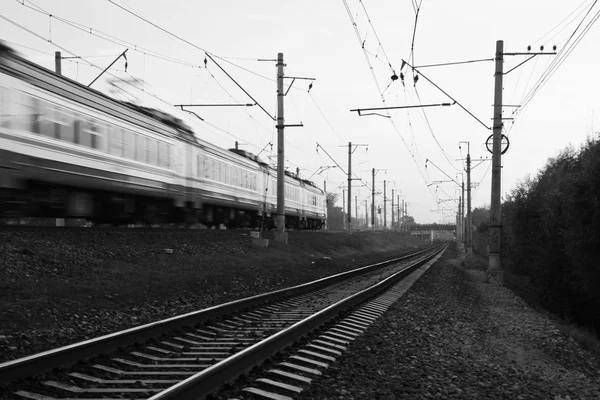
x=194 y=354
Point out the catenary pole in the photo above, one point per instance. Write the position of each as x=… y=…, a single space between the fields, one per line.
x=326 y=203
x=469 y=222
x=356 y=209
x=494 y=265
x=281 y=234
x=398 y=211
x=384 y=208
x=462 y=216
x=392 y=225
x=344 y=209
x=349 y=215
x=373 y=201
x=366 y=215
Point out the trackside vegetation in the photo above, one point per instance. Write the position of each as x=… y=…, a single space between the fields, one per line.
x=551 y=234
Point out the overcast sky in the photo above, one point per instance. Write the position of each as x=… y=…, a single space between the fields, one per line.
x=319 y=40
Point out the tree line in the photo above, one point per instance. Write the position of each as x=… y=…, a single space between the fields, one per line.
x=551 y=234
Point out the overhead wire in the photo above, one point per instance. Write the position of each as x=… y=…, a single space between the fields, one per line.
x=367 y=59
x=105 y=36
x=562 y=55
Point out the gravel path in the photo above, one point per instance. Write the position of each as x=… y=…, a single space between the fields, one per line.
x=453 y=336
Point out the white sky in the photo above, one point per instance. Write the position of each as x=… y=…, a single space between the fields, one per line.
x=318 y=40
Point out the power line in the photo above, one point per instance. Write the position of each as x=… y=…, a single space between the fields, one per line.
x=107 y=37
x=559 y=60
x=324 y=117
x=190 y=43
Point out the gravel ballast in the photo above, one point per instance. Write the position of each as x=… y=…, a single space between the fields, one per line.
x=59 y=287
x=453 y=336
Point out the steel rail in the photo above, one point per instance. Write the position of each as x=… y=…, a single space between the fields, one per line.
x=37 y=363
x=210 y=379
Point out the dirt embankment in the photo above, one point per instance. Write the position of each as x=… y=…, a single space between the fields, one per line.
x=58 y=287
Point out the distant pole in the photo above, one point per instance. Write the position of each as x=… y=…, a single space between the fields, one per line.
x=494 y=265
x=462 y=216
x=402 y=227
x=326 y=203
x=373 y=201
x=57 y=63
x=459 y=220
x=356 y=209
x=349 y=224
x=344 y=209
x=366 y=215
x=392 y=225
x=281 y=234
x=469 y=223
x=384 y=208
x=398 y=210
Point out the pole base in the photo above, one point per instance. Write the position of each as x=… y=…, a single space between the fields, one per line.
x=281 y=237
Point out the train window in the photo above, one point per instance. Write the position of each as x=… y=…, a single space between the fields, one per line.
x=237 y=177
x=129 y=143
x=198 y=164
x=6 y=102
x=93 y=129
x=152 y=151
x=116 y=141
x=208 y=171
x=140 y=148
x=215 y=170
x=227 y=174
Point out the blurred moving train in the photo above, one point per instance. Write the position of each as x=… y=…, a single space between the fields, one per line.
x=67 y=151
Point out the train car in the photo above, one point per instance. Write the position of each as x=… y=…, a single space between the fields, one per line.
x=67 y=151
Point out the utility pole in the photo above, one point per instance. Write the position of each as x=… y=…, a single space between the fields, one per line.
x=495 y=266
x=344 y=208
x=459 y=220
x=349 y=187
x=356 y=209
x=462 y=215
x=366 y=215
x=392 y=225
x=398 y=210
x=280 y=221
x=349 y=215
x=384 y=208
x=57 y=63
x=469 y=223
x=402 y=227
x=326 y=202
x=373 y=201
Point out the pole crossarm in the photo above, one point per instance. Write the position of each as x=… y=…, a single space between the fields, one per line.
x=332 y=159
x=360 y=110
x=110 y=65
x=293 y=78
x=432 y=163
x=452 y=98
x=240 y=86
x=321 y=169
x=524 y=54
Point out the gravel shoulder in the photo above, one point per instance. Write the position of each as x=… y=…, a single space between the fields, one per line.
x=60 y=287
x=453 y=336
